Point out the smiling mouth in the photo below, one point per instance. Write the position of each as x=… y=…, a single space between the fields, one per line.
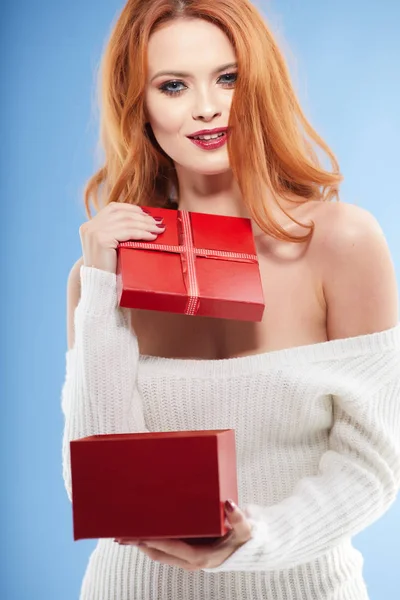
x=207 y=138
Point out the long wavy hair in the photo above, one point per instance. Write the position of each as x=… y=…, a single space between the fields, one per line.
x=265 y=112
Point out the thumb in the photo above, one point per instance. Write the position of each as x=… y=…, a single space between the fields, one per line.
x=237 y=519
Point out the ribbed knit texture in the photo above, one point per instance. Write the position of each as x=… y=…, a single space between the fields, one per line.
x=318 y=451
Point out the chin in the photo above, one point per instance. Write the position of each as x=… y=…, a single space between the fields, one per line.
x=218 y=169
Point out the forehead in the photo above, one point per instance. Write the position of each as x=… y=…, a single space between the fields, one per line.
x=188 y=44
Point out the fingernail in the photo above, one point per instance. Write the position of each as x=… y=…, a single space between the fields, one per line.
x=159 y=219
x=230 y=506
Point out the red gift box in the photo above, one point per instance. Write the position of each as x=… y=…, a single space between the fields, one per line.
x=202 y=264
x=153 y=485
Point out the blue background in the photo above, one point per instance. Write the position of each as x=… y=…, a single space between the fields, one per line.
x=343 y=59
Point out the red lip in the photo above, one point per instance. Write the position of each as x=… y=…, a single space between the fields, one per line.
x=209 y=132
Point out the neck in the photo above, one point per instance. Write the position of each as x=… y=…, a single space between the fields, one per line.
x=229 y=203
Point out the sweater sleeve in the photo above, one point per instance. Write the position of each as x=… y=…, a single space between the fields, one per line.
x=357 y=481
x=101 y=368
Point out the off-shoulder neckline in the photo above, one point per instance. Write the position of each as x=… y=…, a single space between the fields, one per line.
x=341 y=348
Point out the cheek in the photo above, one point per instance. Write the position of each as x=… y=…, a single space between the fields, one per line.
x=169 y=122
x=169 y=129
x=167 y=116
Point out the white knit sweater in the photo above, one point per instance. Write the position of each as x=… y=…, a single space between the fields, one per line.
x=318 y=451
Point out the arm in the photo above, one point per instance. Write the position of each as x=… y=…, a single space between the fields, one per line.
x=359 y=476
x=358 y=480
x=101 y=364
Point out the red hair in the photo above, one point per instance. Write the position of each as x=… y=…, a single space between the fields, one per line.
x=265 y=111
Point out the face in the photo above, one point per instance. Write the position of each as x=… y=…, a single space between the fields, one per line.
x=178 y=106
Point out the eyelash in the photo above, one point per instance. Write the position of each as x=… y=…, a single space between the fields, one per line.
x=164 y=89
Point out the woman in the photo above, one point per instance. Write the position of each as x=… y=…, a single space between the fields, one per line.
x=312 y=391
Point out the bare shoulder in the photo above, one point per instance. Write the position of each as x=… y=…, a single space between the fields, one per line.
x=356 y=269
x=338 y=221
x=341 y=229
x=73 y=296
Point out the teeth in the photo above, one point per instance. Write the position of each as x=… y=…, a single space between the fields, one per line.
x=209 y=137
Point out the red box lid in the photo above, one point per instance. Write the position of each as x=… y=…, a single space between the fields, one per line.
x=153 y=277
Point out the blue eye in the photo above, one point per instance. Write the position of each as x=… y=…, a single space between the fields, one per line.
x=177 y=92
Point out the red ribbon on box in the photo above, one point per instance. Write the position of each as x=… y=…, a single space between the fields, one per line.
x=188 y=254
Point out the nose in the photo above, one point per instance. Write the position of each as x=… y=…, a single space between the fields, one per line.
x=206 y=115
x=205 y=109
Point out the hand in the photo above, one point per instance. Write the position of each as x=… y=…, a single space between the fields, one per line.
x=117 y=222
x=191 y=558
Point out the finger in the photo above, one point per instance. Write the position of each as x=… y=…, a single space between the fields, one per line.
x=178 y=549
x=137 y=235
x=139 y=219
x=167 y=559
x=130 y=208
x=225 y=539
x=146 y=218
x=126 y=206
x=237 y=519
x=155 y=227
x=147 y=227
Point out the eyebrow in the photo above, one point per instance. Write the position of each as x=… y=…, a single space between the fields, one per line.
x=181 y=74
